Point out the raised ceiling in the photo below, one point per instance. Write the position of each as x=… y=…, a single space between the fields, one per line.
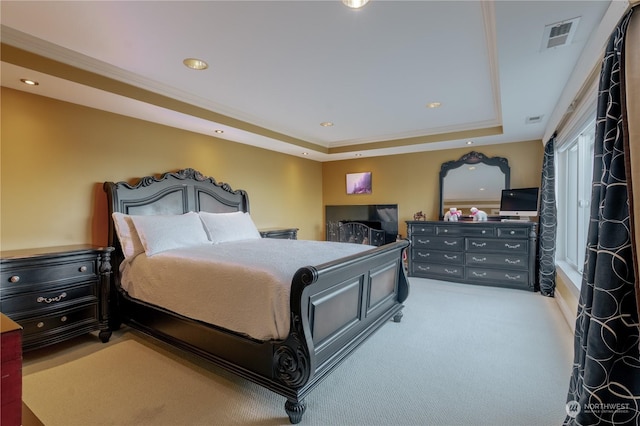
x=278 y=69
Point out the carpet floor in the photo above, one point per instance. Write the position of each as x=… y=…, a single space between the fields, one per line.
x=462 y=355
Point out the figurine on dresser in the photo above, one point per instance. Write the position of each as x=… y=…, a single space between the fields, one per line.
x=478 y=215
x=452 y=215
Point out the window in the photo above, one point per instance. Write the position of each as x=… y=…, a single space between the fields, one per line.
x=574 y=169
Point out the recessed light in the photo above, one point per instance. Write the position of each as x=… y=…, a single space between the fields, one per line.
x=305 y=153
x=434 y=105
x=29 y=82
x=326 y=124
x=218 y=131
x=195 y=64
x=358 y=155
x=355 y=4
x=469 y=142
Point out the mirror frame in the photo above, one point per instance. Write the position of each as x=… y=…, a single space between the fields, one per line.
x=472 y=157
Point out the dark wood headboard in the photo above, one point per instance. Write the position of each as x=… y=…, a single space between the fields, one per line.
x=172 y=193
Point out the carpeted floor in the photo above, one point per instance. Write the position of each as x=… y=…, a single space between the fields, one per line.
x=462 y=355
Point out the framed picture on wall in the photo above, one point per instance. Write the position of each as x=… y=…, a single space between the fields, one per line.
x=359 y=183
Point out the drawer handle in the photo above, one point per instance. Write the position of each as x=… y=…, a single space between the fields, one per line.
x=51 y=299
x=473 y=243
x=40 y=324
x=446 y=230
x=512 y=247
x=424 y=241
x=484 y=232
x=512 y=232
x=14 y=279
x=424 y=254
x=424 y=268
x=454 y=271
x=517 y=277
x=479 y=259
x=512 y=262
x=450 y=257
x=483 y=274
x=451 y=243
x=64 y=318
x=83 y=268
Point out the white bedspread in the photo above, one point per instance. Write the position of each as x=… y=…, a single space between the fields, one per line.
x=242 y=286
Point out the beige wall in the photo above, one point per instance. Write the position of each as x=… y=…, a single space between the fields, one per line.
x=412 y=180
x=55 y=156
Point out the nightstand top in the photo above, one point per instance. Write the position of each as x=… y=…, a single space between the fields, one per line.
x=44 y=251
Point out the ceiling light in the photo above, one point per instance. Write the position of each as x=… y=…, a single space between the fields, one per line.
x=195 y=64
x=326 y=124
x=218 y=131
x=29 y=82
x=305 y=153
x=434 y=105
x=355 y=4
x=469 y=142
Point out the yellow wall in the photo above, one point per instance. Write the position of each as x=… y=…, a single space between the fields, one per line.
x=56 y=155
x=412 y=180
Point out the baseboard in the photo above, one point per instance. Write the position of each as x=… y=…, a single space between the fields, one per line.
x=567 y=313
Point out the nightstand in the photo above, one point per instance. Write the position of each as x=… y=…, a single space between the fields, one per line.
x=56 y=293
x=282 y=233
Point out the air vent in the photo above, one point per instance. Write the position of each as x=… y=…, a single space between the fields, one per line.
x=559 y=33
x=534 y=119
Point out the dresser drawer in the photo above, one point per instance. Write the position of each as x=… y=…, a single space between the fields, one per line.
x=420 y=229
x=437 y=270
x=43 y=273
x=477 y=230
x=50 y=298
x=446 y=257
x=505 y=246
x=449 y=230
x=513 y=232
x=495 y=276
x=438 y=243
x=507 y=260
x=58 y=322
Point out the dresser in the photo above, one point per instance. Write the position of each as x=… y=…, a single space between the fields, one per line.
x=56 y=293
x=485 y=253
x=11 y=371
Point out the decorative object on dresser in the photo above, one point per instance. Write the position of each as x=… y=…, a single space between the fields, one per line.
x=486 y=253
x=474 y=180
x=11 y=366
x=337 y=295
x=282 y=233
x=56 y=293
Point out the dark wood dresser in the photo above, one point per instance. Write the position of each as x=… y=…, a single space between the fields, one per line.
x=485 y=253
x=282 y=233
x=56 y=293
x=11 y=371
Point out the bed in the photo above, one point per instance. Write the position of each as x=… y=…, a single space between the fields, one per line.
x=332 y=306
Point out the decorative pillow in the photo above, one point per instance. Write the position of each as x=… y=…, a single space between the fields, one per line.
x=127 y=234
x=234 y=226
x=159 y=233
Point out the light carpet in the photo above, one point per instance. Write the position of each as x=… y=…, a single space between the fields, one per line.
x=462 y=355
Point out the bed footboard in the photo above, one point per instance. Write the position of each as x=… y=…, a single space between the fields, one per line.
x=335 y=307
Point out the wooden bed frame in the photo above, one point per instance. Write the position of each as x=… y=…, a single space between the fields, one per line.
x=334 y=306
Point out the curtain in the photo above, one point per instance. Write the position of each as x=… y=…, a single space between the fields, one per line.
x=548 y=223
x=604 y=388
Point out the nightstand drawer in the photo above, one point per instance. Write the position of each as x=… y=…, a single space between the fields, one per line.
x=59 y=322
x=53 y=298
x=83 y=269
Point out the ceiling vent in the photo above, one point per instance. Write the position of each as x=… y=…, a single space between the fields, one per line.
x=534 y=119
x=559 y=33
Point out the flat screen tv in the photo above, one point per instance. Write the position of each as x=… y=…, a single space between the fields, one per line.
x=520 y=202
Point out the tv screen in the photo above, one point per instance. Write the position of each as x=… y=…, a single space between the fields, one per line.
x=521 y=202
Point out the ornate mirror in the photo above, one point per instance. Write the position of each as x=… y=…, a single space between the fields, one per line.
x=473 y=181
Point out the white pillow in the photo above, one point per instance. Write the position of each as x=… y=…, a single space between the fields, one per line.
x=159 y=233
x=127 y=234
x=234 y=226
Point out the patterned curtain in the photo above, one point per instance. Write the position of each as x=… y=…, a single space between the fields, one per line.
x=605 y=384
x=548 y=223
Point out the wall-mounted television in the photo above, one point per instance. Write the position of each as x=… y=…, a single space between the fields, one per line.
x=520 y=202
